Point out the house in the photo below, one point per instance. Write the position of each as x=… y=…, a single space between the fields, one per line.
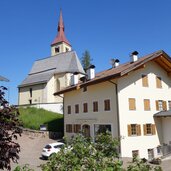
x=50 y=74
x=130 y=100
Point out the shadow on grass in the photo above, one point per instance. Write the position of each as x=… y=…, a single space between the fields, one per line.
x=55 y=128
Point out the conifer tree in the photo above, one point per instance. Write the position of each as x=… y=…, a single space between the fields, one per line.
x=86 y=59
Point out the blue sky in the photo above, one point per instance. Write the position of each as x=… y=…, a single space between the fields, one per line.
x=107 y=28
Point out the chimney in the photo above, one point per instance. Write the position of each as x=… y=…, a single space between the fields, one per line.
x=114 y=62
x=91 y=72
x=74 y=78
x=134 y=56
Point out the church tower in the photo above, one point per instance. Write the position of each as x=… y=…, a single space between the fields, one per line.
x=60 y=44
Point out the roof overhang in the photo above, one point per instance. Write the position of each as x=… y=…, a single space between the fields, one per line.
x=165 y=62
x=160 y=57
x=32 y=84
x=163 y=114
x=88 y=83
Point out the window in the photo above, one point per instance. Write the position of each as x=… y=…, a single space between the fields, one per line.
x=132 y=105
x=159 y=150
x=77 y=128
x=146 y=104
x=69 y=128
x=169 y=105
x=149 y=129
x=135 y=153
x=30 y=92
x=158 y=82
x=69 y=109
x=161 y=105
x=76 y=108
x=144 y=80
x=150 y=153
x=107 y=105
x=98 y=128
x=85 y=107
x=95 y=106
x=67 y=49
x=134 y=130
x=57 y=49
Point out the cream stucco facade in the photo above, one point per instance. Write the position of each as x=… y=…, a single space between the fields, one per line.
x=118 y=91
x=42 y=94
x=131 y=87
x=91 y=118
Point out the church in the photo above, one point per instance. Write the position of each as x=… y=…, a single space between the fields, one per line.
x=50 y=75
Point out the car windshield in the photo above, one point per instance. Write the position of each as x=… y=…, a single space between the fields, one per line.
x=48 y=146
x=58 y=146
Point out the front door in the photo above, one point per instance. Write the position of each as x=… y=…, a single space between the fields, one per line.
x=86 y=130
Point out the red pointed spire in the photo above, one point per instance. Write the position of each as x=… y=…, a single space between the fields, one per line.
x=61 y=35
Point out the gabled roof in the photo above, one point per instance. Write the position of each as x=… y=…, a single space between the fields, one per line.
x=163 y=114
x=160 y=57
x=42 y=70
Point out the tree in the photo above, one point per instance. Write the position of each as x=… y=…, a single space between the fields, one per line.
x=83 y=154
x=86 y=59
x=9 y=130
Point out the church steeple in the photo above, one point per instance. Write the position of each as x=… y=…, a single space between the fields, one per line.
x=60 y=43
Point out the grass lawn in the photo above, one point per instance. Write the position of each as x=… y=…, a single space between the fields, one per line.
x=32 y=118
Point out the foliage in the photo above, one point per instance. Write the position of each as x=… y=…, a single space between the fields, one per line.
x=24 y=168
x=107 y=145
x=141 y=165
x=86 y=60
x=83 y=154
x=33 y=117
x=9 y=130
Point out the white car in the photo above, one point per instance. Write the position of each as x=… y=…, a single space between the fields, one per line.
x=52 y=148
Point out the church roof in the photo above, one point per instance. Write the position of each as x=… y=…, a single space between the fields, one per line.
x=42 y=70
x=61 y=34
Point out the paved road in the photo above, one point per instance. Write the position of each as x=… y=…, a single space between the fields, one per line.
x=31 y=147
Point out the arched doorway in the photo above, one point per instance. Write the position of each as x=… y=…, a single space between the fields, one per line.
x=86 y=130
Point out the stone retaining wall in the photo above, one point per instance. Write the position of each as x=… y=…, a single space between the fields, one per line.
x=36 y=133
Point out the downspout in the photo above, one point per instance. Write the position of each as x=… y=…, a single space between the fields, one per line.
x=117 y=110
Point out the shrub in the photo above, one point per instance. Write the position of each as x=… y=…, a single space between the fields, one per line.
x=83 y=154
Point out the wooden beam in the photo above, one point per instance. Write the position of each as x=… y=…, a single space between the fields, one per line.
x=140 y=67
x=169 y=74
